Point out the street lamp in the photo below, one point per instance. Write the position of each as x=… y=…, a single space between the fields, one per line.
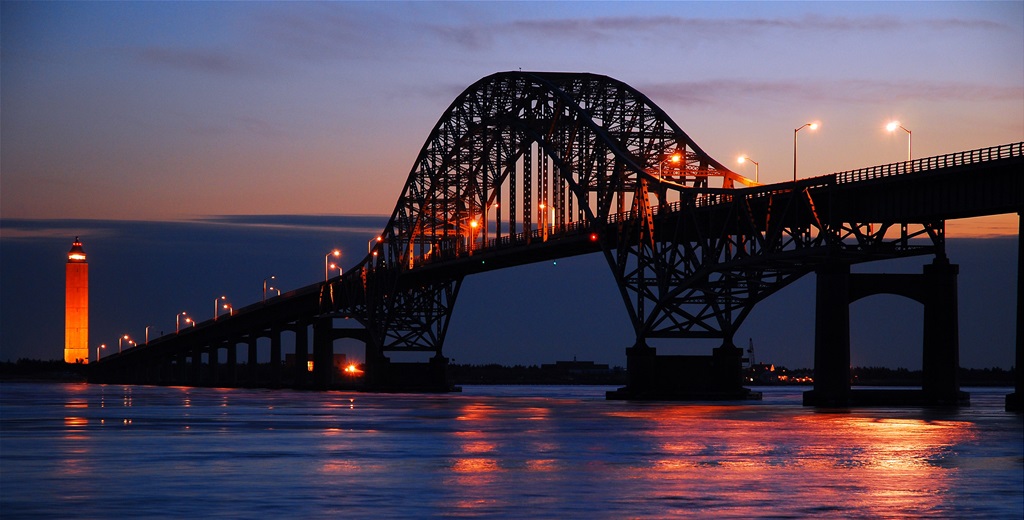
x=147 y=334
x=892 y=126
x=369 y=245
x=231 y=310
x=813 y=126
x=473 y=224
x=177 y=321
x=216 y=306
x=265 y=288
x=744 y=158
x=327 y=274
x=674 y=159
x=98 y=351
x=124 y=337
x=338 y=267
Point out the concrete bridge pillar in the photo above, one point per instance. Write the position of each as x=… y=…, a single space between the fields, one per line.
x=197 y=365
x=1015 y=401
x=229 y=373
x=941 y=357
x=323 y=353
x=717 y=377
x=936 y=289
x=831 y=337
x=301 y=355
x=216 y=371
x=275 y=356
x=253 y=361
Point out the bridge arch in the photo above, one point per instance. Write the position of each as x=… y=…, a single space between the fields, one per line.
x=588 y=139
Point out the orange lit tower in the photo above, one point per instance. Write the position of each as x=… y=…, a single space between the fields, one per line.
x=76 y=306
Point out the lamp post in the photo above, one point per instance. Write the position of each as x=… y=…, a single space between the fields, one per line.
x=674 y=159
x=473 y=224
x=744 y=158
x=892 y=126
x=216 y=306
x=327 y=273
x=265 y=288
x=813 y=126
x=124 y=337
x=369 y=245
x=338 y=267
x=147 y=334
x=177 y=321
x=98 y=351
x=231 y=310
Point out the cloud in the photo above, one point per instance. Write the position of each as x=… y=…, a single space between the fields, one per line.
x=32 y=229
x=196 y=60
x=599 y=29
x=839 y=91
x=366 y=225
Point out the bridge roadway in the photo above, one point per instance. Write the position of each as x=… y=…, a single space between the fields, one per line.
x=980 y=182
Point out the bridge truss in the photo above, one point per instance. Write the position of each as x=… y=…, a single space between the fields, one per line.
x=526 y=166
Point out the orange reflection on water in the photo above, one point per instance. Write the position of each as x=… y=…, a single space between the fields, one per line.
x=877 y=466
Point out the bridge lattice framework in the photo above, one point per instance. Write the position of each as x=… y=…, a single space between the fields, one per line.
x=529 y=166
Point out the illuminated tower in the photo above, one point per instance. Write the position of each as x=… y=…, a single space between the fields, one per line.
x=76 y=306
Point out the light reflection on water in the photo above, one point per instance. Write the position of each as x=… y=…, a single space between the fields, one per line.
x=95 y=451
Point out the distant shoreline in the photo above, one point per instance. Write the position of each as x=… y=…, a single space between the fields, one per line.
x=493 y=374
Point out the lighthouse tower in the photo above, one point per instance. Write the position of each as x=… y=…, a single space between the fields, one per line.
x=76 y=306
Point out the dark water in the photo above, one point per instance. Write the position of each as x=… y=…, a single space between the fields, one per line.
x=90 y=451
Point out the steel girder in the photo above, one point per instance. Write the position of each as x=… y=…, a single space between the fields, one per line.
x=520 y=156
x=697 y=268
x=539 y=152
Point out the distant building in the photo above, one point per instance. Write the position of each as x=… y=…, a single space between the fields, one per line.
x=76 y=306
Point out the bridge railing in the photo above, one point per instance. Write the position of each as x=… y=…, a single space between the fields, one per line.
x=715 y=197
x=930 y=163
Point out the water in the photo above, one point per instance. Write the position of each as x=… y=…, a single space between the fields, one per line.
x=92 y=451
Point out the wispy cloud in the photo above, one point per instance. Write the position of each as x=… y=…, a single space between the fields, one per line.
x=854 y=91
x=608 y=28
x=368 y=225
x=198 y=60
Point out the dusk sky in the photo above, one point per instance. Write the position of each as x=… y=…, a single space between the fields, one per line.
x=199 y=147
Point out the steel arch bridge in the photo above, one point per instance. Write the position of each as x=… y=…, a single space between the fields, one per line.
x=527 y=163
x=530 y=166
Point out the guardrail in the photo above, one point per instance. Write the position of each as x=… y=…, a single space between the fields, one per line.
x=718 y=197
x=930 y=163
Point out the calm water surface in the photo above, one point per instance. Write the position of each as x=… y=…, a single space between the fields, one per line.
x=93 y=451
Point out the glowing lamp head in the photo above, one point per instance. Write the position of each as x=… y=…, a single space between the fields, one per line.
x=892 y=126
x=676 y=157
x=76 y=254
x=814 y=126
x=742 y=159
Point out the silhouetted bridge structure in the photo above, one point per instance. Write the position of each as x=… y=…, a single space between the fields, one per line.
x=525 y=167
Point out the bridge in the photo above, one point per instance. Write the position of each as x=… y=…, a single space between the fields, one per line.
x=530 y=166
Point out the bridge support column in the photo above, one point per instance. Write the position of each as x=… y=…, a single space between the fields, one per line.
x=228 y=375
x=650 y=377
x=831 y=337
x=253 y=378
x=941 y=358
x=1015 y=401
x=197 y=365
x=301 y=373
x=935 y=289
x=323 y=353
x=275 y=356
x=216 y=371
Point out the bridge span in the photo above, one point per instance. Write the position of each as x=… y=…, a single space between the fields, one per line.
x=525 y=167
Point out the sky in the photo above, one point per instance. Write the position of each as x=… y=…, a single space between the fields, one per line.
x=199 y=147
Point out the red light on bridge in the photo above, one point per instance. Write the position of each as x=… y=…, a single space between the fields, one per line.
x=593 y=237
